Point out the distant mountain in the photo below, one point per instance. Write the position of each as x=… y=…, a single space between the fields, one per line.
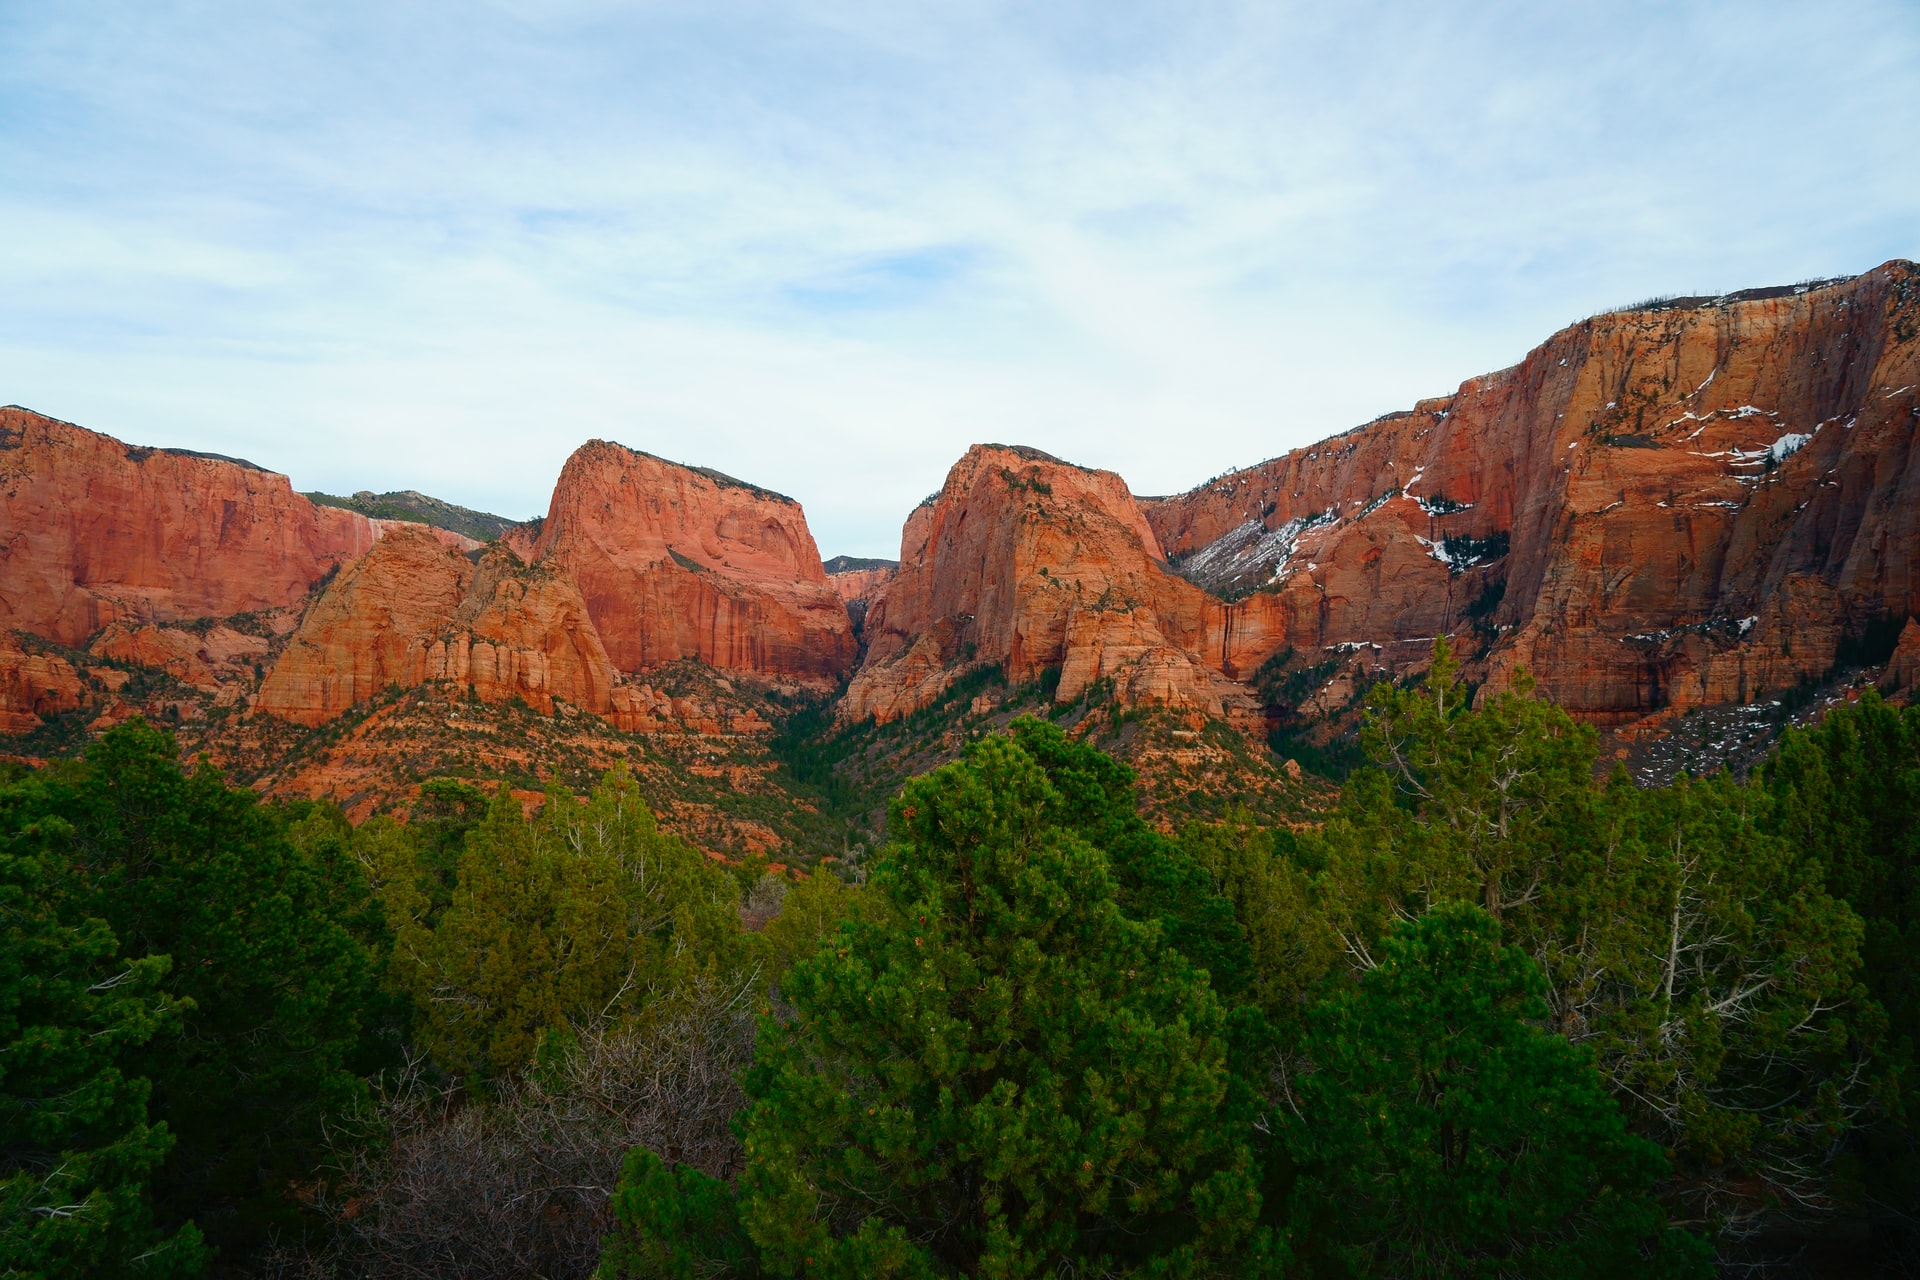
x=857 y=564
x=420 y=508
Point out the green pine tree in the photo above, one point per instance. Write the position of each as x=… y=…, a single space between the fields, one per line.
x=992 y=1071
x=581 y=912
x=1439 y=1129
x=76 y=1146
x=274 y=987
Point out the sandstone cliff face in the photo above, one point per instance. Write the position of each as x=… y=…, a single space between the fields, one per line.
x=93 y=531
x=216 y=660
x=859 y=583
x=34 y=686
x=675 y=562
x=1030 y=562
x=1655 y=509
x=640 y=562
x=853 y=585
x=413 y=611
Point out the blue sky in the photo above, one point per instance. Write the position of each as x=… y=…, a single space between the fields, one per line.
x=827 y=246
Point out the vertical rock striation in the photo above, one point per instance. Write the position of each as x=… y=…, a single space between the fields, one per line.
x=678 y=562
x=93 y=531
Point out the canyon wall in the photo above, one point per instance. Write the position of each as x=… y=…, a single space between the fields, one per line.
x=1031 y=563
x=93 y=531
x=639 y=563
x=1692 y=503
x=1696 y=502
x=678 y=562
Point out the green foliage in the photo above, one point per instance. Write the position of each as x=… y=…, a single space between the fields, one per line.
x=1700 y=958
x=76 y=1148
x=581 y=912
x=1850 y=790
x=1460 y=805
x=1439 y=1129
x=419 y=508
x=1000 y=1074
x=1154 y=878
x=811 y=911
x=1279 y=682
x=1256 y=870
x=674 y=1224
x=274 y=985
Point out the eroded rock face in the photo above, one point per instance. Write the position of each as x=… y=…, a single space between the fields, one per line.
x=413 y=611
x=94 y=531
x=369 y=629
x=213 y=659
x=1032 y=563
x=675 y=562
x=859 y=583
x=34 y=686
x=1655 y=509
x=680 y=563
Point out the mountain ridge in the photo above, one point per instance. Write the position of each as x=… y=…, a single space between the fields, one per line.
x=1657 y=512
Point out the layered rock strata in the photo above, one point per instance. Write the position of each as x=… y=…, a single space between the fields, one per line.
x=1689 y=504
x=638 y=564
x=94 y=531
x=1033 y=563
x=34 y=686
x=679 y=562
x=859 y=582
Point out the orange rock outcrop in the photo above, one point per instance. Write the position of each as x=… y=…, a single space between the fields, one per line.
x=678 y=562
x=1689 y=504
x=413 y=611
x=94 y=531
x=34 y=686
x=1032 y=563
x=859 y=584
x=214 y=659
x=682 y=565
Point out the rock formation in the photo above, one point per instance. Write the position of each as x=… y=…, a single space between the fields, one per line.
x=859 y=583
x=93 y=531
x=1696 y=502
x=1685 y=504
x=214 y=659
x=1033 y=563
x=680 y=562
x=34 y=686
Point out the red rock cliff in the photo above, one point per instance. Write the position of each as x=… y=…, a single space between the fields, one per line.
x=1687 y=504
x=93 y=531
x=675 y=562
x=413 y=610
x=1030 y=562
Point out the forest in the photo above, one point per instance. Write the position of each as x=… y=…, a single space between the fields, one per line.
x=1501 y=1013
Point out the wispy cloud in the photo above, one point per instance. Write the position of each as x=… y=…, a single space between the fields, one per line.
x=826 y=246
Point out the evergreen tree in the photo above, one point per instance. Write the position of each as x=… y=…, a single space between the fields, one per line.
x=1261 y=873
x=76 y=1147
x=1439 y=1129
x=993 y=1073
x=1848 y=789
x=273 y=986
x=1698 y=955
x=1154 y=878
x=579 y=913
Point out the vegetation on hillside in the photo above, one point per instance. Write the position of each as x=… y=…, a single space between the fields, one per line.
x=1497 y=1014
x=420 y=508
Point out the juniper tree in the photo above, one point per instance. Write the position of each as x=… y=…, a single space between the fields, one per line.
x=993 y=1071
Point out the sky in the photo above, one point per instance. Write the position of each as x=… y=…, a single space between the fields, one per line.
x=825 y=247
